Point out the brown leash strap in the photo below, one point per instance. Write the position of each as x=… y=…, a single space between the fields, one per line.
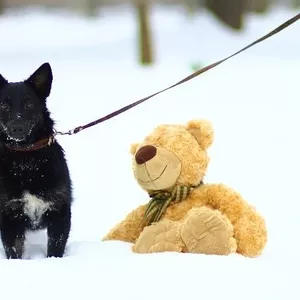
x=193 y=75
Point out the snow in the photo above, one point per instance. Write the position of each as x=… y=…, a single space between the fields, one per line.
x=253 y=102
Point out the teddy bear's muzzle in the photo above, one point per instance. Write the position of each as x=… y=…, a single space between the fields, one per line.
x=156 y=168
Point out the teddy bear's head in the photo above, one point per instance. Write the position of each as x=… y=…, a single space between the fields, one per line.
x=173 y=155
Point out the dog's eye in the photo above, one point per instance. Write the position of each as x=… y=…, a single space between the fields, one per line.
x=29 y=104
x=4 y=106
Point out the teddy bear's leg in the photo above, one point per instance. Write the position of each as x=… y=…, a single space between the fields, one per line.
x=251 y=234
x=208 y=231
x=249 y=226
x=160 y=237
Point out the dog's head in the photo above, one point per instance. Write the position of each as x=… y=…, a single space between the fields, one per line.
x=23 y=108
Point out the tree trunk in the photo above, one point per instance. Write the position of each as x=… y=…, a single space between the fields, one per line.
x=91 y=7
x=1 y=7
x=296 y=3
x=145 y=40
x=230 y=12
x=192 y=6
x=259 y=6
x=85 y=7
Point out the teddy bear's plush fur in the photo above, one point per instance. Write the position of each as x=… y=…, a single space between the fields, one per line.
x=185 y=214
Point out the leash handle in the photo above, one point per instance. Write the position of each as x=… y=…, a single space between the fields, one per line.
x=188 y=78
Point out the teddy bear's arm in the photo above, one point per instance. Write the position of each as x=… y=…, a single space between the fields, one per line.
x=130 y=228
x=249 y=227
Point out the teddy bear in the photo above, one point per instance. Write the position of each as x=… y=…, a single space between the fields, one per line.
x=185 y=214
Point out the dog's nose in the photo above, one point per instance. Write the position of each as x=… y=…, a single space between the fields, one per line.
x=145 y=153
x=16 y=129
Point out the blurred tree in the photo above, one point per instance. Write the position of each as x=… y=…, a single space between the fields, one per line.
x=86 y=7
x=259 y=6
x=230 y=12
x=91 y=7
x=2 y=5
x=144 y=28
x=191 y=6
x=296 y=3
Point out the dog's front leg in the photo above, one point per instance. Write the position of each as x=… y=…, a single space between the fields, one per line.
x=58 y=231
x=13 y=236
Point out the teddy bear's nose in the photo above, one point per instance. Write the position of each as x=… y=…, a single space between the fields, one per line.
x=144 y=154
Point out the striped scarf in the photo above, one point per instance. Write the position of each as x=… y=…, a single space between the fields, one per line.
x=160 y=200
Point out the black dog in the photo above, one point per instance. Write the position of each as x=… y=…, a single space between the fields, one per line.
x=35 y=185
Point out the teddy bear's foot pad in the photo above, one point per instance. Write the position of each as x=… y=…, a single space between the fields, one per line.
x=207 y=231
x=163 y=236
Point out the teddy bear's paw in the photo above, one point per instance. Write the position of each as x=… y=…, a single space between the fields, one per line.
x=160 y=237
x=207 y=231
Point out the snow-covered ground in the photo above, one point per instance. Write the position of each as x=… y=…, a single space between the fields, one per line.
x=253 y=101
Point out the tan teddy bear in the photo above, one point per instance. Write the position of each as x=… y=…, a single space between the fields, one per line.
x=185 y=214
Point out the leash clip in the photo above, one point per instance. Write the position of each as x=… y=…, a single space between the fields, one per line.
x=51 y=140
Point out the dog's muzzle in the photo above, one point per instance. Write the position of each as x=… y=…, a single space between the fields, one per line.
x=17 y=130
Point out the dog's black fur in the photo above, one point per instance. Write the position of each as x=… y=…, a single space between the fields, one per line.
x=35 y=186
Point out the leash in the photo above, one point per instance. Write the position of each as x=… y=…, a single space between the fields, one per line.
x=188 y=78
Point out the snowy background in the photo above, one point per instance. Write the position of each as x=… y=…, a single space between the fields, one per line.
x=253 y=102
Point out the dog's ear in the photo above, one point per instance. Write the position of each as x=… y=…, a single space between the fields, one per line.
x=3 y=81
x=41 y=80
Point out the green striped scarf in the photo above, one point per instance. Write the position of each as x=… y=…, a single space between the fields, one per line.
x=160 y=200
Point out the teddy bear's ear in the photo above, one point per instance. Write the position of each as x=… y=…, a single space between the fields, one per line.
x=203 y=131
x=133 y=148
